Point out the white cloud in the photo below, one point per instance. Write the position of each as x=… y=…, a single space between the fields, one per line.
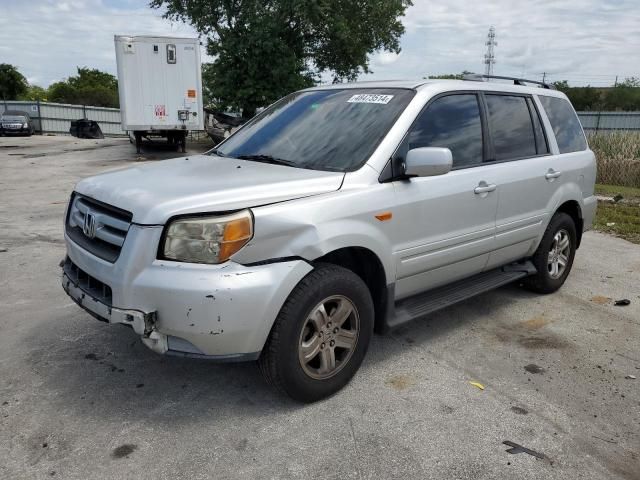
x=587 y=41
x=48 y=39
x=385 y=58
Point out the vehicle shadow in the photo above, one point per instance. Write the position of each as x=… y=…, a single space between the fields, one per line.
x=105 y=371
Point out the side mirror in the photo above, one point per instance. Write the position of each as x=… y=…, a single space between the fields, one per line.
x=428 y=162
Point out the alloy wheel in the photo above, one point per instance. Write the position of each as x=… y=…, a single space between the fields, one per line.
x=558 y=257
x=328 y=337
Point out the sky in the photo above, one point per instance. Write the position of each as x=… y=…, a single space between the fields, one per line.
x=583 y=41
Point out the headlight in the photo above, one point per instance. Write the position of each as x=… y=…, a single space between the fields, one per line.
x=25 y=125
x=207 y=239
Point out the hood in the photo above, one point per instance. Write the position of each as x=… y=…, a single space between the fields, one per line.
x=154 y=192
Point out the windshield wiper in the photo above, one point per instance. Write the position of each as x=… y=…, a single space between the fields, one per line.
x=268 y=159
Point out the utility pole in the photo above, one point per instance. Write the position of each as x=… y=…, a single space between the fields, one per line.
x=615 y=84
x=489 y=57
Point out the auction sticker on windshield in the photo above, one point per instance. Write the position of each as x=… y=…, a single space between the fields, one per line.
x=370 y=98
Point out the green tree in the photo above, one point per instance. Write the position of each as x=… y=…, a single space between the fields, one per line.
x=12 y=82
x=632 y=82
x=34 y=92
x=88 y=87
x=562 y=85
x=266 y=49
x=624 y=96
x=450 y=76
x=586 y=98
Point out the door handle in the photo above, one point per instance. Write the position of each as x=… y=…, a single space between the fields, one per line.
x=551 y=174
x=484 y=188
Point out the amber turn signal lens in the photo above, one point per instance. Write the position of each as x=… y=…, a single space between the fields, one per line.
x=236 y=235
x=383 y=217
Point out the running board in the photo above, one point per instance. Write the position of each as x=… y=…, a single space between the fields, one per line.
x=428 y=302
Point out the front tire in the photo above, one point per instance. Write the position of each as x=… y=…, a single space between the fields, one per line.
x=320 y=336
x=554 y=257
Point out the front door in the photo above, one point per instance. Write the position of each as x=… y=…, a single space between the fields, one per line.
x=446 y=224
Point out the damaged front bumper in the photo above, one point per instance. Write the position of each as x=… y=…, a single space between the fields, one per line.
x=220 y=312
x=143 y=323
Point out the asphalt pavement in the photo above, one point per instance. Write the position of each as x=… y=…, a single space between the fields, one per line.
x=81 y=399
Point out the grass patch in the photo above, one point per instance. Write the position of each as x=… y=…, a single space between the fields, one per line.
x=624 y=217
x=629 y=193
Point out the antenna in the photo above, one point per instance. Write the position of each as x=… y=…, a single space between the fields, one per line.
x=489 y=57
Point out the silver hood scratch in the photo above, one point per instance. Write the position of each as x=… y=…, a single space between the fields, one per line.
x=154 y=192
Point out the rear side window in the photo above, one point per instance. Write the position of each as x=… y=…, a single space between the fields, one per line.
x=565 y=124
x=452 y=122
x=511 y=127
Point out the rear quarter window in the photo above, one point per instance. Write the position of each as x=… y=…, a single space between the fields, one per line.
x=565 y=124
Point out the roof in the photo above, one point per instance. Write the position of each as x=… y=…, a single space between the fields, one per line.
x=502 y=86
x=154 y=38
x=410 y=84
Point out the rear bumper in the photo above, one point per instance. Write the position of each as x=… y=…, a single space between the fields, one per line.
x=222 y=312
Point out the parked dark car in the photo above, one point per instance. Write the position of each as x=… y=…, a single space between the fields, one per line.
x=15 y=122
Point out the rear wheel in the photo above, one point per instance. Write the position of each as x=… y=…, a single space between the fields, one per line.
x=321 y=335
x=554 y=257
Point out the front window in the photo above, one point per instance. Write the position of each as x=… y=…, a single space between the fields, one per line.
x=334 y=130
x=452 y=122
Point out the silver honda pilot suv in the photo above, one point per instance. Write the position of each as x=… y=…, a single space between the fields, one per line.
x=338 y=211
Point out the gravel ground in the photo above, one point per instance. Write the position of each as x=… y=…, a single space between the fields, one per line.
x=81 y=399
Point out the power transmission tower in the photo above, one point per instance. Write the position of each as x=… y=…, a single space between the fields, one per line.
x=489 y=57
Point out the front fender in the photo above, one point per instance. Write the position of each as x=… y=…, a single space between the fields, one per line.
x=310 y=228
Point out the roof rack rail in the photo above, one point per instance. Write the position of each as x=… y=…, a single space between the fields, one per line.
x=478 y=77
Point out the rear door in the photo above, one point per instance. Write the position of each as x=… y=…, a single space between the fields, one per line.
x=445 y=223
x=523 y=169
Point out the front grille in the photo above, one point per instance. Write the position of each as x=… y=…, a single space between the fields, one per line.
x=88 y=284
x=105 y=234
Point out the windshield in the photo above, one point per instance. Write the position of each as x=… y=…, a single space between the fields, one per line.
x=333 y=130
x=14 y=118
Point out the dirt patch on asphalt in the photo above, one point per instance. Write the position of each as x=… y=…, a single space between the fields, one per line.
x=400 y=382
x=600 y=300
x=532 y=334
x=535 y=323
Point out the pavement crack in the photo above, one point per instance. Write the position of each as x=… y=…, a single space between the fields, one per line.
x=355 y=447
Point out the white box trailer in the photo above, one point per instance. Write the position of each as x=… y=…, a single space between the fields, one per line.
x=160 y=87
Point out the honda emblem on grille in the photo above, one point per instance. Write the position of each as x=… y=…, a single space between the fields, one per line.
x=89 y=226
